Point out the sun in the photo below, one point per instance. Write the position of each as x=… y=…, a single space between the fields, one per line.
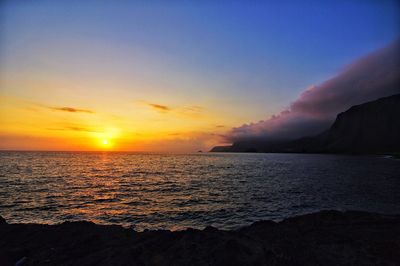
x=105 y=144
x=105 y=139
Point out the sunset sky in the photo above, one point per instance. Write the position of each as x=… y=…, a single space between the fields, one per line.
x=151 y=76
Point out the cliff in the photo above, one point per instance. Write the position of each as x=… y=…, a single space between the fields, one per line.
x=372 y=127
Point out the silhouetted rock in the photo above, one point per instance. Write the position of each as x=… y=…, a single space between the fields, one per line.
x=221 y=149
x=323 y=238
x=369 y=127
x=372 y=127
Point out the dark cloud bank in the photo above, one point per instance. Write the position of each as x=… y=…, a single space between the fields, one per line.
x=371 y=77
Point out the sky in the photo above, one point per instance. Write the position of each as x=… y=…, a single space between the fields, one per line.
x=177 y=77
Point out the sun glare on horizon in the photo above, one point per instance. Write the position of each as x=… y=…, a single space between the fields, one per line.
x=105 y=144
x=106 y=138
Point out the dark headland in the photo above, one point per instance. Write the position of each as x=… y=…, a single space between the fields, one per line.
x=323 y=238
x=372 y=127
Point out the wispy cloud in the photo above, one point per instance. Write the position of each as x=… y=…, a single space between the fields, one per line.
x=85 y=129
x=37 y=106
x=159 y=107
x=192 y=111
x=74 y=128
x=71 y=110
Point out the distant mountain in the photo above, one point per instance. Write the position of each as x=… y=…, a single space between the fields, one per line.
x=221 y=149
x=372 y=127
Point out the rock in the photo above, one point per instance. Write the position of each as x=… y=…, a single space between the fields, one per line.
x=221 y=149
x=372 y=127
x=21 y=261
x=323 y=238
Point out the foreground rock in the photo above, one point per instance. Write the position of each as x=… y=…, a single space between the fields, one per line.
x=324 y=238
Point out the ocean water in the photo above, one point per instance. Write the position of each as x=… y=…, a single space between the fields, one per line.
x=161 y=191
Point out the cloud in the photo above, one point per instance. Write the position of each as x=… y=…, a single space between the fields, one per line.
x=36 y=106
x=368 y=78
x=72 y=110
x=190 y=111
x=159 y=107
x=176 y=142
x=75 y=128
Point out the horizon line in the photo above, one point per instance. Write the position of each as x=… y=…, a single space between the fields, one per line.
x=113 y=151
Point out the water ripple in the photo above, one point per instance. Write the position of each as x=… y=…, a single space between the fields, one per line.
x=160 y=191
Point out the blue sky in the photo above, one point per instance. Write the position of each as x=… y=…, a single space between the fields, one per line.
x=244 y=59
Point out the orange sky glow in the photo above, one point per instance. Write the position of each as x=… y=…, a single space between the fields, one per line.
x=155 y=77
x=105 y=125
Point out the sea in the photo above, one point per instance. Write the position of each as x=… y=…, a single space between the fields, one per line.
x=178 y=191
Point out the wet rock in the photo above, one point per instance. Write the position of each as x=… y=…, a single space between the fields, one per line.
x=324 y=238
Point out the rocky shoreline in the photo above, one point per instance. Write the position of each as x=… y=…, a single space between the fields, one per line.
x=322 y=238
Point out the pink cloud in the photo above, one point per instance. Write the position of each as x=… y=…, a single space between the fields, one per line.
x=368 y=78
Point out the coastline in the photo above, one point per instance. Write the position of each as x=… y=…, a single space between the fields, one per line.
x=325 y=237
